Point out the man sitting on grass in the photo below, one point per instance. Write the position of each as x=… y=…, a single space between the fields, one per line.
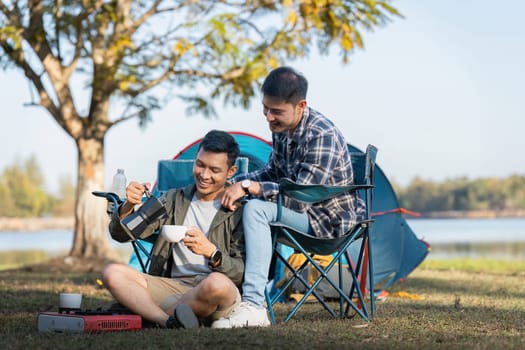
x=200 y=275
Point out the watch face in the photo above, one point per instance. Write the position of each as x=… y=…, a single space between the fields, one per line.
x=217 y=255
x=245 y=184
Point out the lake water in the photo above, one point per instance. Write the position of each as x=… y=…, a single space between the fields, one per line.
x=50 y=241
x=439 y=231
x=501 y=238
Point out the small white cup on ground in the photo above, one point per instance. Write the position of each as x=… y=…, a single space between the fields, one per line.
x=173 y=233
x=70 y=300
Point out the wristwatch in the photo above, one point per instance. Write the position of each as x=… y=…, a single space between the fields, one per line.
x=245 y=184
x=215 y=258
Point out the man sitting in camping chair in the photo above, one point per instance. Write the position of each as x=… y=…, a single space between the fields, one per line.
x=200 y=275
x=307 y=148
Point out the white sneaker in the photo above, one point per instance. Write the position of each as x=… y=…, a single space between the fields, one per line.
x=245 y=315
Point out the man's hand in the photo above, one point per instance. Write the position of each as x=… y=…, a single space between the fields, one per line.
x=197 y=242
x=231 y=194
x=134 y=193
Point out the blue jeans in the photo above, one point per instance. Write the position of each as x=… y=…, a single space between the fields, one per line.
x=257 y=214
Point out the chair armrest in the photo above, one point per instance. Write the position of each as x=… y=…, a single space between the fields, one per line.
x=113 y=200
x=314 y=193
x=110 y=196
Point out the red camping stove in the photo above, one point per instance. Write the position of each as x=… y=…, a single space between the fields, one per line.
x=87 y=321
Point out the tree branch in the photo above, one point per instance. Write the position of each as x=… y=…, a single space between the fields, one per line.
x=79 y=42
x=124 y=118
x=45 y=100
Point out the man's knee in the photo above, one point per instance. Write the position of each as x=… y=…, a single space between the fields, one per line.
x=258 y=207
x=115 y=273
x=217 y=285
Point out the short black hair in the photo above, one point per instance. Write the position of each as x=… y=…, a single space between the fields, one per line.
x=286 y=84
x=218 y=141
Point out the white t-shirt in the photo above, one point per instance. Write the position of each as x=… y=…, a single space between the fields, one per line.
x=185 y=262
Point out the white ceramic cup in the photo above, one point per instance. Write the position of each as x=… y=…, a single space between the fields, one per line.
x=70 y=300
x=173 y=233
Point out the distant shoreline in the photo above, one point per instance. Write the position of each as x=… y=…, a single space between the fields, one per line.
x=67 y=223
x=472 y=214
x=36 y=224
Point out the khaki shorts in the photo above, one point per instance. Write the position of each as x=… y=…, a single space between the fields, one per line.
x=166 y=291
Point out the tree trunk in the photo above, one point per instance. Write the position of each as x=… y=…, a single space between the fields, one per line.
x=91 y=221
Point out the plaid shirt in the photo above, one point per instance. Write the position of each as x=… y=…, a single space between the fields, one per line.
x=316 y=153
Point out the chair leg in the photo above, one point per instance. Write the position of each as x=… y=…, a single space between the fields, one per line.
x=137 y=253
x=364 y=269
x=365 y=273
x=358 y=283
x=371 y=277
x=342 y=294
x=323 y=275
x=341 y=286
x=269 y=304
x=360 y=272
x=368 y=267
x=296 y=275
x=357 y=307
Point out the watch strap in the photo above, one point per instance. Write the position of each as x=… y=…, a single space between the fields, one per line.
x=215 y=258
x=247 y=188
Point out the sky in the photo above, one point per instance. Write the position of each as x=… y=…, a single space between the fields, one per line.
x=440 y=93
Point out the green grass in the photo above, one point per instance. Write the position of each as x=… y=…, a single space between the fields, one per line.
x=14 y=259
x=466 y=304
x=476 y=265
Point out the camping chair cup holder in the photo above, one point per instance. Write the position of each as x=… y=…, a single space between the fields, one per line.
x=112 y=198
x=359 y=266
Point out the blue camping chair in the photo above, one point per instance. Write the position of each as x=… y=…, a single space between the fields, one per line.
x=173 y=173
x=360 y=266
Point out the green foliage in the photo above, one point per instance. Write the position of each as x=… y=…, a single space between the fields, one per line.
x=464 y=194
x=21 y=188
x=22 y=192
x=6 y=198
x=219 y=49
x=65 y=203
